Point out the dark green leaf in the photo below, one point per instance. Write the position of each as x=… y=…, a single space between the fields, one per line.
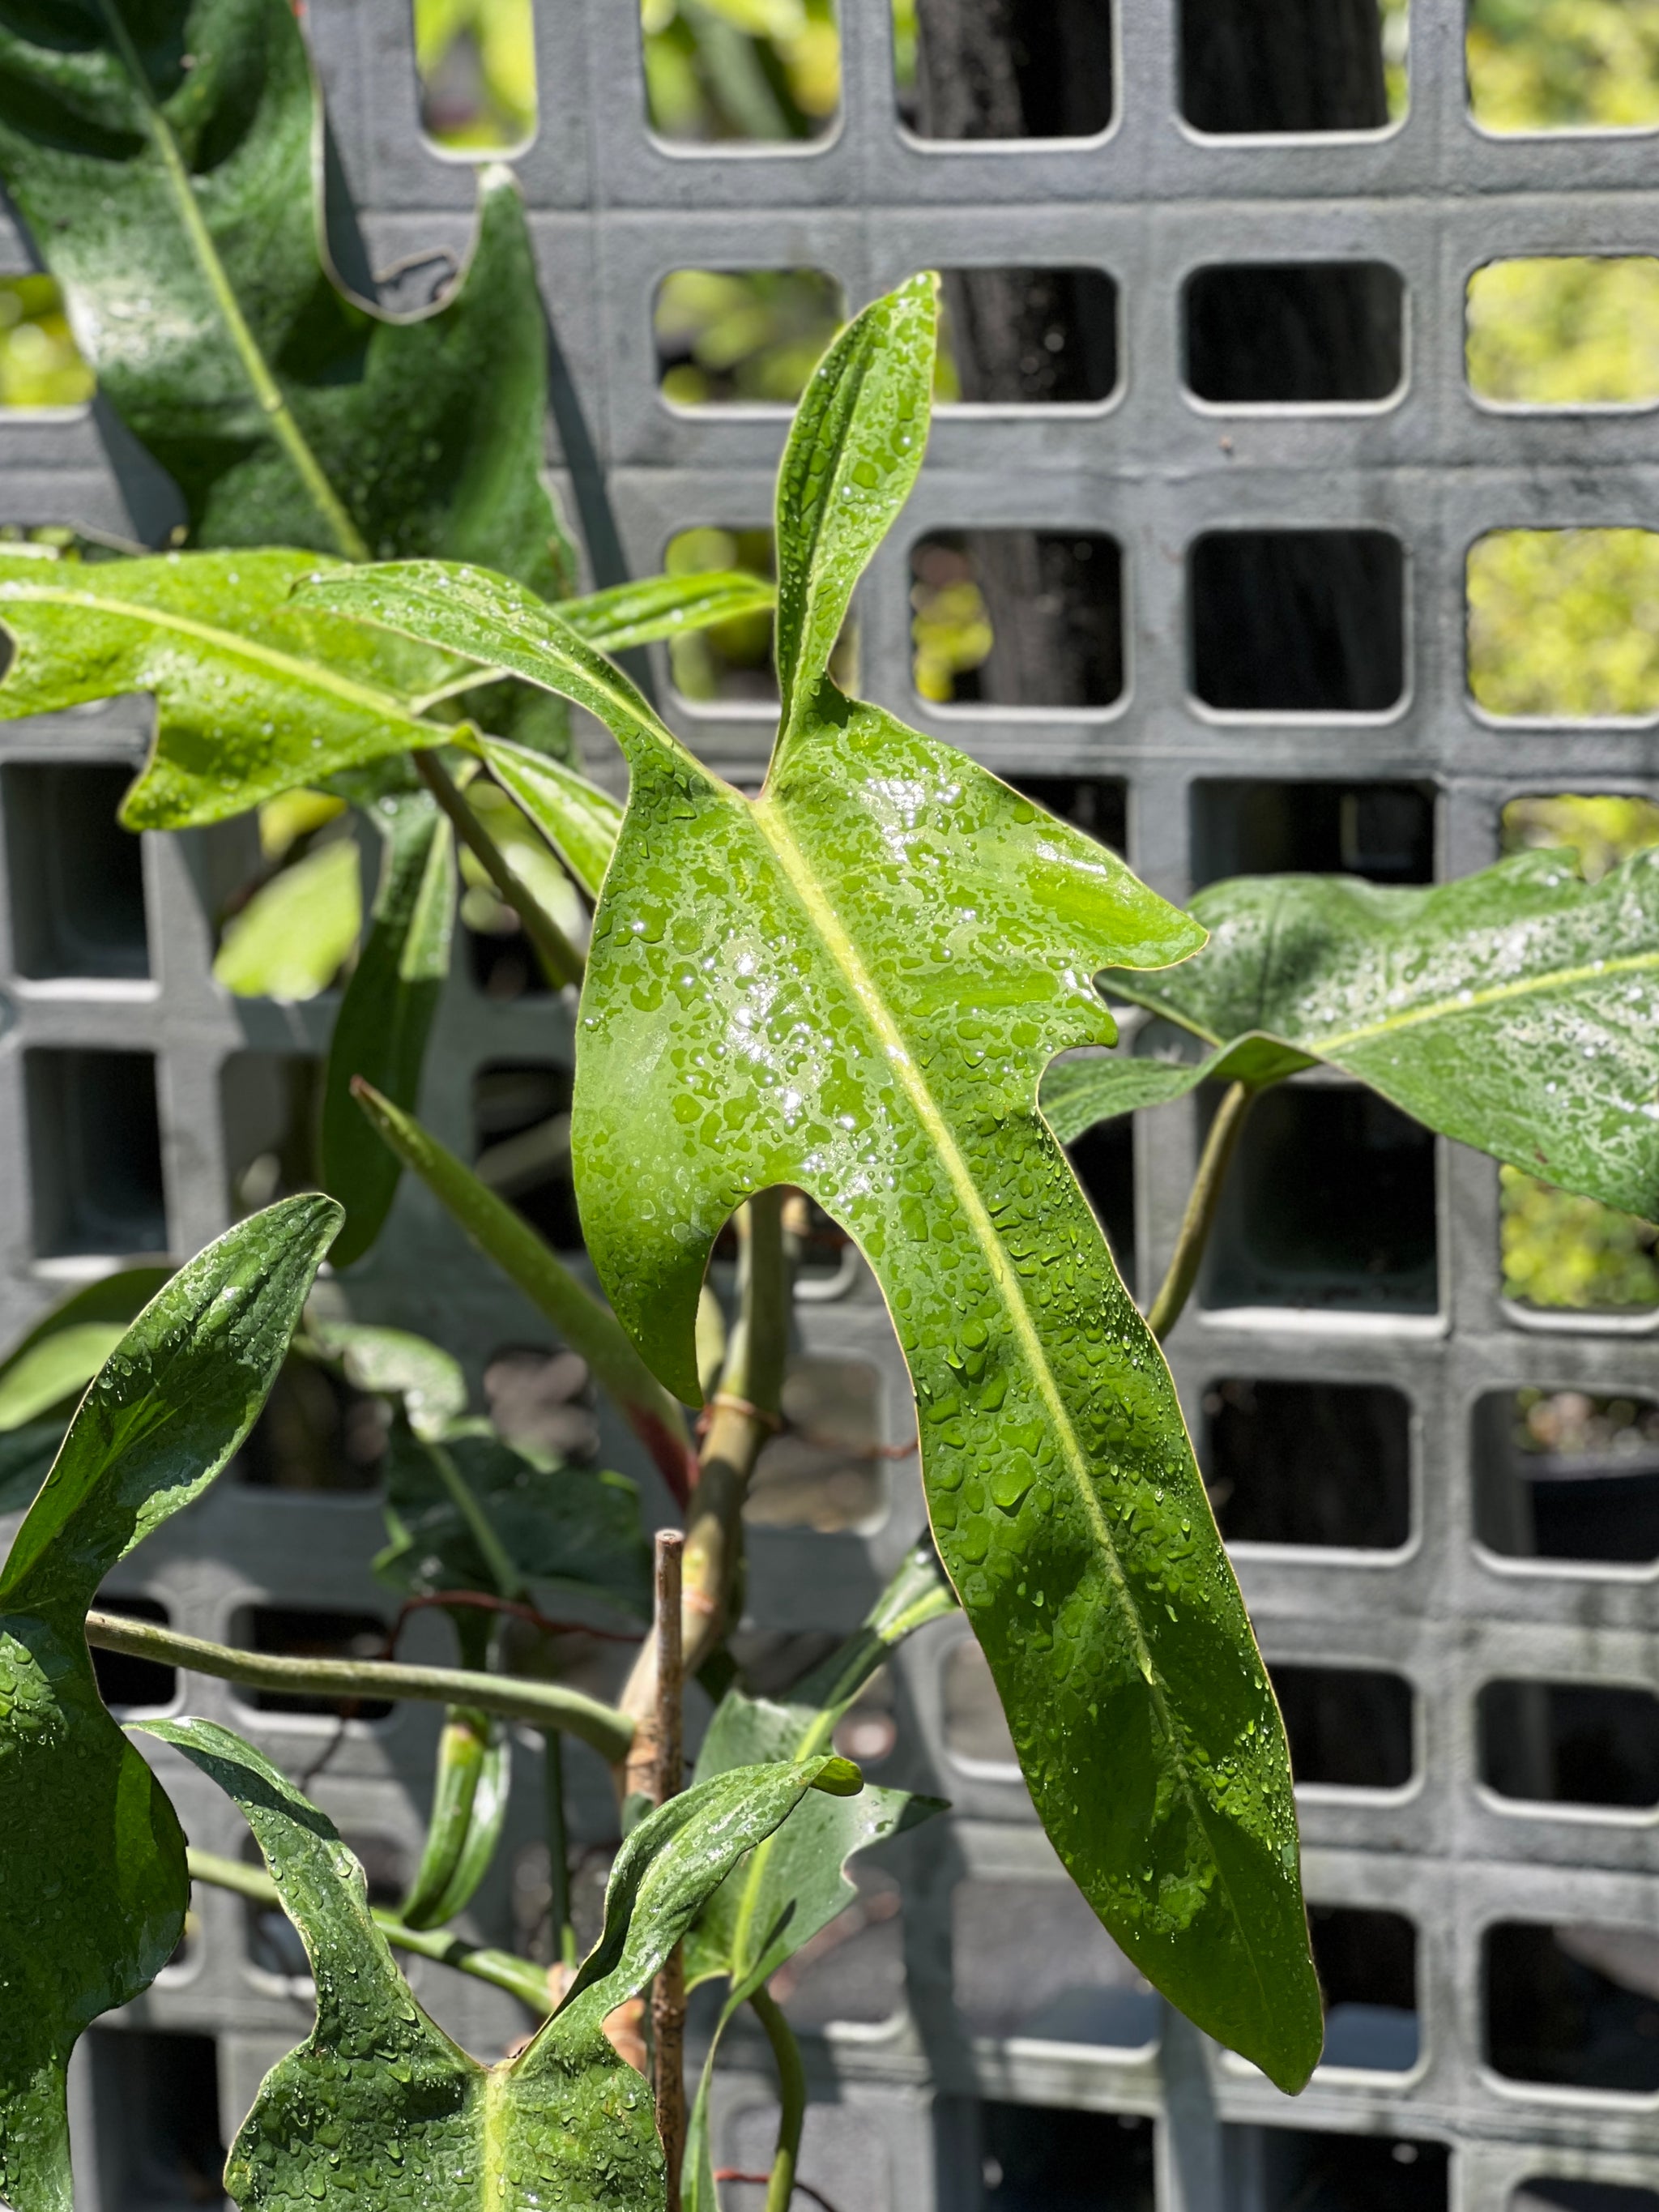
x=902 y=943
x=91 y=1861
x=386 y=1015
x=1513 y=1010
x=378 y=2103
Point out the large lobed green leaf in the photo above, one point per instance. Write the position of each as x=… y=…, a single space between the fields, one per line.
x=379 y=2107
x=852 y=985
x=1514 y=1010
x=91 y=1861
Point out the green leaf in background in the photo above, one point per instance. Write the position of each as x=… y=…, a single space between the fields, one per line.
x=578 y=820
x=386 y=1017
x=297 y=932
x=59 y=1356
x=902 y=944
x=254 y=693
x=92 y=1862
x=168 y=167
x=556 y=1528
x=393 y=1363
x=471 y=1786
x=793 y=1885
x=410 y=2118
x=1513 y=1010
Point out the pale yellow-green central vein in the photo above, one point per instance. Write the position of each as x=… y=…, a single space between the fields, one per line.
x=497 y=2120
x=1493 y=994
x=776 y=831
x=314 y=675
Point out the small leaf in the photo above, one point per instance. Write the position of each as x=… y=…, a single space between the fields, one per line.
x=386 y=1017
x=296 y=934
x=91 y=1861
x=854 y=452
x=1513 y=1010
x=665 y=606
x=394 y=1363
x=578 y=820
x=584 y=1324
x=411 y=2118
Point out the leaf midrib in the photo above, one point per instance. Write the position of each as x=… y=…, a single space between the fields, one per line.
x=821 y=912
x=312 y=674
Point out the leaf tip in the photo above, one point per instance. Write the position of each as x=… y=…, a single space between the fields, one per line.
x=838 y=1778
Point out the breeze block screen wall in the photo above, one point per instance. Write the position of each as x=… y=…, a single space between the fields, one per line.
x=1443 y=1616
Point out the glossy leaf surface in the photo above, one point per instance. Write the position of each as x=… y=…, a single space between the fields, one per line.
x=852 y=985
x=406 y=2117
x=254 y=693
x=1514 y=1010
x=91 y=1861
x=386 y=1017
x=665 y=606
x=167 y=164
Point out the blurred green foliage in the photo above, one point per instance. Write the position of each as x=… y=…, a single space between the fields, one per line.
x=1558 y=1250
x=477 y=63
x=1564 y=64
x=1565 y=622
x=949 y=622
x=733 y=660
x=1567 y=332
x=741 y=68
x=40 y=365
x=752 y=335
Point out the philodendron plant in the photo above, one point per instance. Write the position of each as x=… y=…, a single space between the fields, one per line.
x=855 y=987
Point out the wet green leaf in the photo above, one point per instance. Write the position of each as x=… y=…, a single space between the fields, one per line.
x=169 y=173
x=406 y=2117
x=665 y=606
x=91 y=1861
x=1080 y=1092
x=296 y=934
x=1514 y=1010
x=578 y=820
x=386 y=1017
x=902 y=944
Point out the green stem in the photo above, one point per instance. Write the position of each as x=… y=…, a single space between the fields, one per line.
x=560 y=1920
x=791 y=2099
x=519 y=1977
x=560 y=959
x=1202 y=1204
x=267 y=392
x=516 y=1697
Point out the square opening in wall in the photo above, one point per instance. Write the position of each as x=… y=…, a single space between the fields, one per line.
x=477 y=68
x=1571 y=1743
x=1251 y=68
x=521 y=1145
x=1295 y=333
x=1297 y=622
x=1302 y=2170
x=1036 y=2159
x=1026 y=337
x=853 y=1969
x=770 y=76
x=1309 y=1463
x=826 y=1470
x=1367 y=1964
x=1030 y=1959
x=94 y=1153
x=1561 y=1474
x=1040 y=69
x=77 y=877
x=1098 y=804
x=1555 y=626
x=315 y=1434
x=157 y=2133
x=1564 y=331
x=1350 y=1727
x=1382 y=832
x=1550 y=2192
x=268 y=1107
x=730 y=665
x=126 y=1684
x=1535 y=69
x=738 y=337
x=1574 y=2006
x=1330 y=1203
x=1030 y=618
x=290 y=1631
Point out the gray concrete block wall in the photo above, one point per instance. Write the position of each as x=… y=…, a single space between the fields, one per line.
x=898 y=2120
